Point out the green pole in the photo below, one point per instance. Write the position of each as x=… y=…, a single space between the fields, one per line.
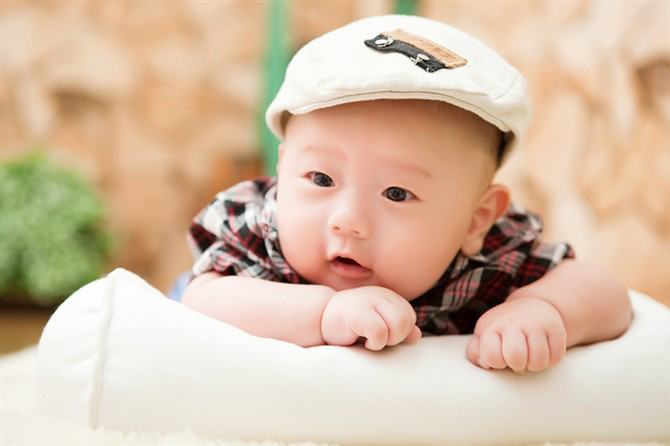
x=406 y=7
x=276 y=59
x=277 y=56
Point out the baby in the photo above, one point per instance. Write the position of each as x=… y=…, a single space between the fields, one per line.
x=383 y=223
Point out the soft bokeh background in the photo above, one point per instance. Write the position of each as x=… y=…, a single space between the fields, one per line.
x=157 y=104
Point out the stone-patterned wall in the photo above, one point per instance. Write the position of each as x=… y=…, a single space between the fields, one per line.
x=156 y=103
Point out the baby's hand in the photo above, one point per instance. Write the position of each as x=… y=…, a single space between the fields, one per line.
x=378 y=314
x=523 y=334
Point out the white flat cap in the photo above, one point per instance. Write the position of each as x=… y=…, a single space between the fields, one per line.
x=403 y=57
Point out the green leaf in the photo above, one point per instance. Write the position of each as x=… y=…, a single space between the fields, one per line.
x=52 y=234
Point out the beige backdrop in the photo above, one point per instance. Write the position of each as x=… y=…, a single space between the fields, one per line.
x=156 y=103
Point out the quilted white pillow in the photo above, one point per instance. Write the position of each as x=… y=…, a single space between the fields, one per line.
x=119 y=354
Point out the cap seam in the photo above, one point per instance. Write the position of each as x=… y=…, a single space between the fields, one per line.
x=399 y=93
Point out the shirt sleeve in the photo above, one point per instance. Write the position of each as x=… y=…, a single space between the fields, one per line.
x=541 y=258
x=513 y=256
x=227 y=236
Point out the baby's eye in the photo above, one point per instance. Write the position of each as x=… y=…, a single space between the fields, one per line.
x=398 y=194
x=321 y=179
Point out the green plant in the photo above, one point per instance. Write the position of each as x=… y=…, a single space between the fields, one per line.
x=52 y=240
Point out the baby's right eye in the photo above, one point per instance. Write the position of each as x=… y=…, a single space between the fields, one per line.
x=321 y=179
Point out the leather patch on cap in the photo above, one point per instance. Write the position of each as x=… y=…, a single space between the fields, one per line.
x=422 y=52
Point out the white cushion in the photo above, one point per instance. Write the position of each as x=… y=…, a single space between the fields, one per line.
x=119 y=354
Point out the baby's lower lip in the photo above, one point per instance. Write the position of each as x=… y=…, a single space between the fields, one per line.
x=349 y=270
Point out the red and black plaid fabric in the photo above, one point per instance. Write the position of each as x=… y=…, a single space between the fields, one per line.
x=236 y=234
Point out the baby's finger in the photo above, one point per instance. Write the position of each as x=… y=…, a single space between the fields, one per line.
x=397 y=320
x=557 y=347
x=472 y=350
x=414 y=335
x=515 y=349
x=490 y=350
x=538 y=351
x=373 y=328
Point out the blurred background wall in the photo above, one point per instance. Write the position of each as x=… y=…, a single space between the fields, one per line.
x=157 y=104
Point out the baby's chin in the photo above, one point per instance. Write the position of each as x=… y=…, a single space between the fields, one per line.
x=407 y=287
x=407 y=294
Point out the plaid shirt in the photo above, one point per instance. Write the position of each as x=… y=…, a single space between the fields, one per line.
x=236 y=234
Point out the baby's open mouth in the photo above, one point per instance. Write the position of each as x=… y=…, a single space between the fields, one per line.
x=347 y=261
x=349 y=268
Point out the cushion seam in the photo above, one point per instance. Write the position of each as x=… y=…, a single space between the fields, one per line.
x=96 y=389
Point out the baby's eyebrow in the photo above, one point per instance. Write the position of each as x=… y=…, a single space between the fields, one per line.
x=391 y=162
x=330 y=150
x=407 y=166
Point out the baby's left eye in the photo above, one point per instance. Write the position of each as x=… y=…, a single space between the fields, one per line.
x=398 y=194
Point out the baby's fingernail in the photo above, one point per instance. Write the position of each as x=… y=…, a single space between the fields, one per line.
x=483 y=364
x=519 y=372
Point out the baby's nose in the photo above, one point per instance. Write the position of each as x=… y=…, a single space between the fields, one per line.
x=348 y=221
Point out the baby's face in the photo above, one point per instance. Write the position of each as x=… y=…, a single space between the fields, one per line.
x=377 y=193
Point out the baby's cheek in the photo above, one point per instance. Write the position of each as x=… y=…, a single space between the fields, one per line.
x=425 y=265
x=411 y=277
x=304 y=250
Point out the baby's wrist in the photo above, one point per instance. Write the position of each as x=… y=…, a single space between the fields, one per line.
x=522 y=294
x=327 y=295
x=532 y=295
x=526 y=292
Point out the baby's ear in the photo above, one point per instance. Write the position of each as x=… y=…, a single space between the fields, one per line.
x=492 y=206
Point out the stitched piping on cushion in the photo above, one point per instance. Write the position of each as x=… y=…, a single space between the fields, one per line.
x=96 y=389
